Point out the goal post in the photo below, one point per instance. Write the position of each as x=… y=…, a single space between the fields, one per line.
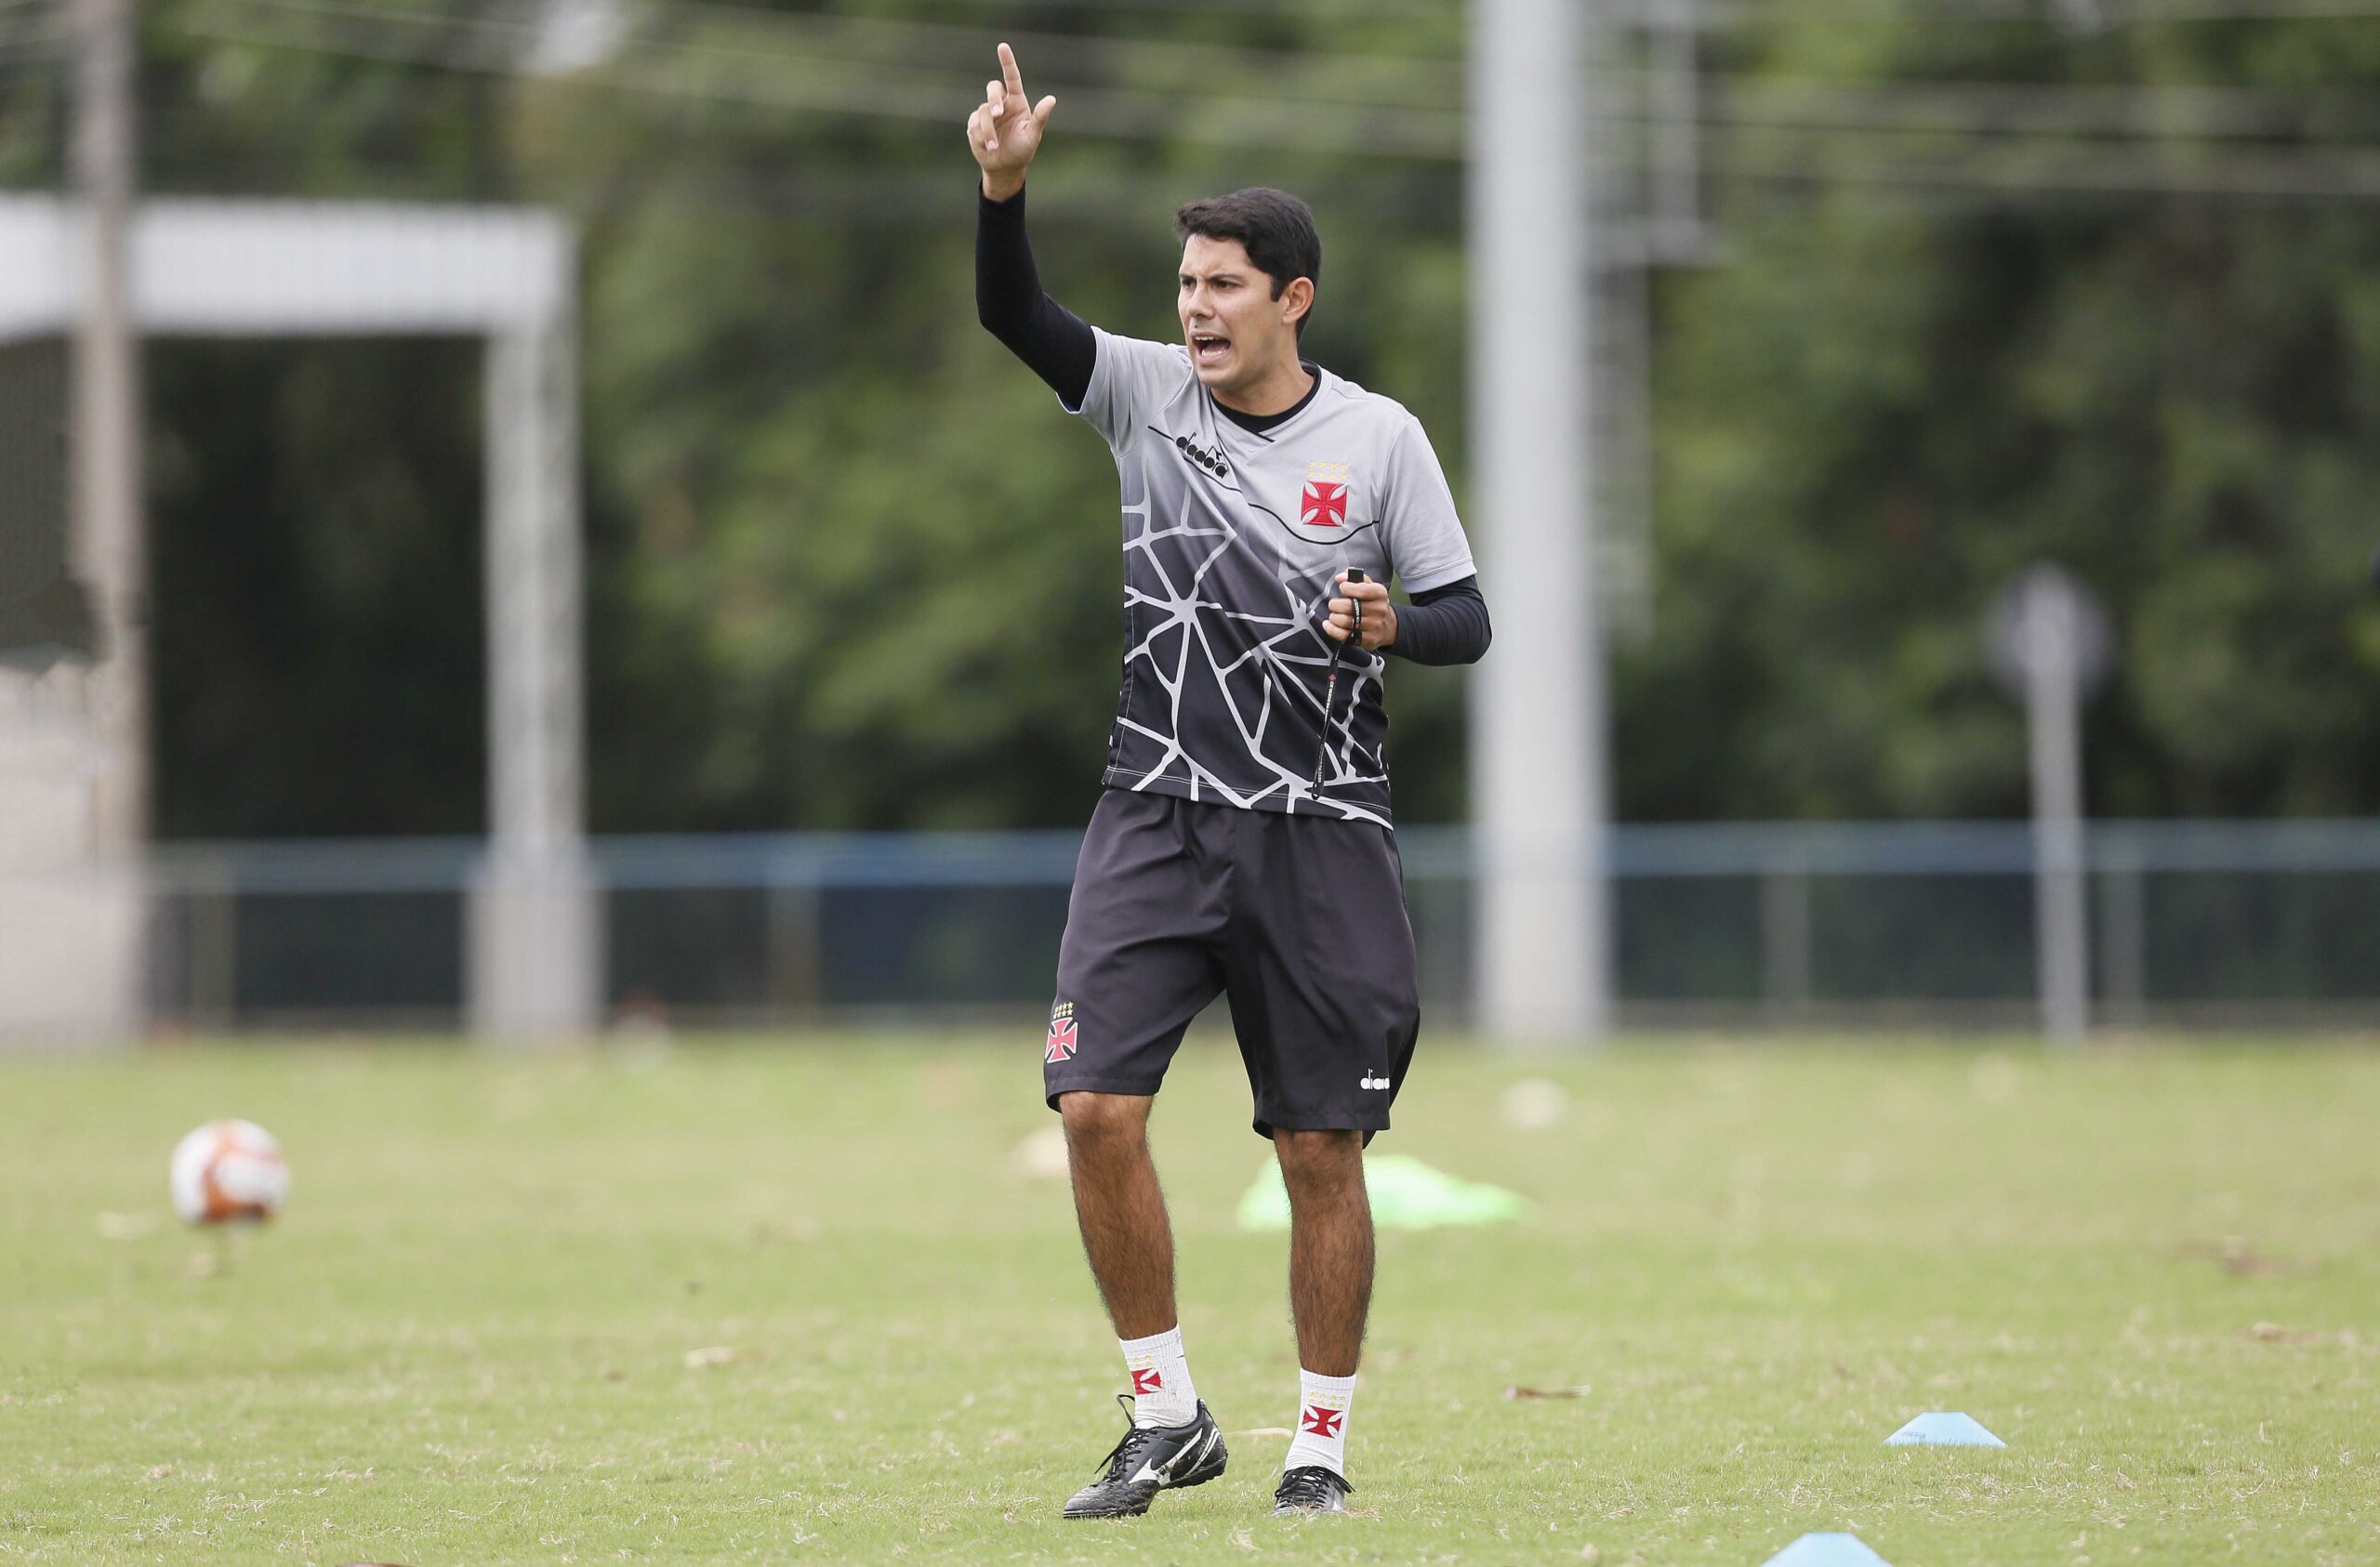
x=210 y=268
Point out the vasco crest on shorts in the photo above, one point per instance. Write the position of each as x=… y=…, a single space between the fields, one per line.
x=1062 y=1034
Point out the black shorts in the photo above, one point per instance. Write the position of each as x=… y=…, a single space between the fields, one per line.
x=1300 y=920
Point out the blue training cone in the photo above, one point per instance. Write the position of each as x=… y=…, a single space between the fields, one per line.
x=1827 y=1550
x=1937 y=1428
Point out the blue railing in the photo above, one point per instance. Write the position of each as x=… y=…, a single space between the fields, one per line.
x=1735 y=922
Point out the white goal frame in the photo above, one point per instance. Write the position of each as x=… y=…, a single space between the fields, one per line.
x=507 y=275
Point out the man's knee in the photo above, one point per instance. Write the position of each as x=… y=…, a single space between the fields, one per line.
x=1318 y=1159
x=1099 y=1123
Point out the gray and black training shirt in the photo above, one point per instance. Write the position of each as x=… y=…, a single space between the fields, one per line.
x=1235 y=528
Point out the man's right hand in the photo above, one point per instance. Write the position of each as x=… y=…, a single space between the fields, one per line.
x=1004 y=132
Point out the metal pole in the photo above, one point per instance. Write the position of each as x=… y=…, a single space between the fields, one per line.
x=215 y=956
x=2123 y=938
x=108 y=552
x=1536 y=735
x=1785 y=944
x=2054 y=725
x=107 y=547
x=537 y=941
x=795 y=974
x=534 y=792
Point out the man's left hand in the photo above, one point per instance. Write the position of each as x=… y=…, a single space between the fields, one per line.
x=1380 y=615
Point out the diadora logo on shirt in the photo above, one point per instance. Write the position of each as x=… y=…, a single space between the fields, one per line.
x=1323 y=503
x=1211 y=461
x=1062 y=1034
x=1373 y=1083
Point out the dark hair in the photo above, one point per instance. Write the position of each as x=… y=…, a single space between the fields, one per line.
x=1273 y=227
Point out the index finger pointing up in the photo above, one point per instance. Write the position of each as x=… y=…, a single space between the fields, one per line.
x=1008 y=73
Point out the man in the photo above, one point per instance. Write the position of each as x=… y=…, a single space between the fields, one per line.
x=1243 y=845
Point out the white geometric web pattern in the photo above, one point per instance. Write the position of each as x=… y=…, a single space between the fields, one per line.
x=1227 y=665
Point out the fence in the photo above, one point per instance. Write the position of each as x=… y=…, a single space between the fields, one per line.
x=1750 y=925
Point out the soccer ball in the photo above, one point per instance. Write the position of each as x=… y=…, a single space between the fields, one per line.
x=229 y=1169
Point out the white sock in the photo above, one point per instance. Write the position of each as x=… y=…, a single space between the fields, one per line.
x=1161 y=1392
x=1321 y=1436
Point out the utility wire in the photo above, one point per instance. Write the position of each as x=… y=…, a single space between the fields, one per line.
x=1826 y=113
x=2065 y=16
x=2137 y=13
x=2159 y=112
x=2334 y=175
x=968 y=49
x=1309 y=10
x=1716 y=15
x=911 y=95
x=31 y=29
x=1932 y=109
x=1074 y=57
x=1317 y=77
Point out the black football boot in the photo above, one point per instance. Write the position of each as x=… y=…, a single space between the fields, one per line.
x=1310 y=1489
x=1150 y=1459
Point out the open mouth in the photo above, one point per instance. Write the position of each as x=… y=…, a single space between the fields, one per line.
x=1208 y=347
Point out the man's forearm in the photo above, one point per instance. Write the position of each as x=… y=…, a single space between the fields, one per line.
x=1447 y=624
x=1010 y=304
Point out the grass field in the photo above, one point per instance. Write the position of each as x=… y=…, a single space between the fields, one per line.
x=2154 y=1270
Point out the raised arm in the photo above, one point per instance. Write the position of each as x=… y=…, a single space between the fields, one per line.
x=1004 y=135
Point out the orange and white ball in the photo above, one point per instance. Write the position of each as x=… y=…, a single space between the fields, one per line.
x=229 y=1169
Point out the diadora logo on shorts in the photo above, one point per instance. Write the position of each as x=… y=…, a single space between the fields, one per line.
x=1062 y=1034
x=1323 y=503
x=1373 y=1083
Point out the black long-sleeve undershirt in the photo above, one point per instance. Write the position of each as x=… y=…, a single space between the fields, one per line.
x=1057 y=343
x=1446 y=624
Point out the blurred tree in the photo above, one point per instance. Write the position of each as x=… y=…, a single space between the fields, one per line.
x=1878 y=409
x=850 y=566
x=318 y=660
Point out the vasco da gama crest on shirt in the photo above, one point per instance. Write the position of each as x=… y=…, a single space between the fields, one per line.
x=1324 y=501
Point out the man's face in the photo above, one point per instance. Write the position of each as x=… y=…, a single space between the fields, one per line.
x=1235 y=331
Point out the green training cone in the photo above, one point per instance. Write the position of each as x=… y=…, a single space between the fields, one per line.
x=1405 y=1194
